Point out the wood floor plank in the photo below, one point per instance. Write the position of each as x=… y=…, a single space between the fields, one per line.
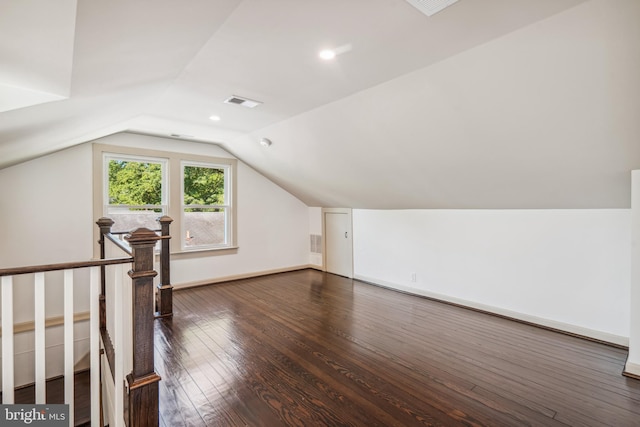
x=311 y=348
x=378 y=385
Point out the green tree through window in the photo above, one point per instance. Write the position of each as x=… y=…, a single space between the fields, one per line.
x=205 y=207
x=135 y=183
x=203 y=186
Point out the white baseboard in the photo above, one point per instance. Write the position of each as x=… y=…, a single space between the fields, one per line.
x=548 y=323
x=244 y=276
x=632 y=368
x=561 y=326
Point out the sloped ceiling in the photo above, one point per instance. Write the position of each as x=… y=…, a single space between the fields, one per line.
x=45 y=28
x=487 y=104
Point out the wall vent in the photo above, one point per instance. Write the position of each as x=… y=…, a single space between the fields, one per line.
x=316 y=243
x=245 y=102
x=431 y=7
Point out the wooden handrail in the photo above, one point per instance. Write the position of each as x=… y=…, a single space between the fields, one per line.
x=119 y=243
x=15 y=271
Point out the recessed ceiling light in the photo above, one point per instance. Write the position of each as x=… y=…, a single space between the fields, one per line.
x=214 y=118
x=327 y=54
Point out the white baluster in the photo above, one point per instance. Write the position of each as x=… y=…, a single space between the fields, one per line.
x=94 y=325
x=118 y=345
x=7 y=340
x=69 y=359
x=40 y=348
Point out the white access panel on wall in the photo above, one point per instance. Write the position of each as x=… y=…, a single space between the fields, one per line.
x=338 y=242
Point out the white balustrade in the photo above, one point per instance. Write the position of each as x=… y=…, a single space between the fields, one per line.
x=40 y=343
x=40 y=348
x=7 y=341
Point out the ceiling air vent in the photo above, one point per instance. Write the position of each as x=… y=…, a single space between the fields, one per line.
x=431 y=7
x=245 y=102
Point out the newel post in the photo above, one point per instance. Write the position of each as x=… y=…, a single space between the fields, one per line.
x=104 y=224
x=164 y=295
x=143 y=380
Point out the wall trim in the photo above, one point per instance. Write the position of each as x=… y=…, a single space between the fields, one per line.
x=187 y=285
x=631 y=370
x=565 y=328
x=552 y=325
x=48 y=323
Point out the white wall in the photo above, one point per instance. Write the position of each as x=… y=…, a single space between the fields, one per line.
x=49 y=200
x=567 y=269
x=272 y=226
x=45 y=209
x=272 y=234
x=633 y=363
x=46 y=216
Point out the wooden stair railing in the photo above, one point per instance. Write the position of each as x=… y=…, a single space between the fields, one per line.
x=39 y=324
x=164 y=294
x=140 y=405
x=142 y=382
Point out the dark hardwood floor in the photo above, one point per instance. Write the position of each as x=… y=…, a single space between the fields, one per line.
x=313 y=349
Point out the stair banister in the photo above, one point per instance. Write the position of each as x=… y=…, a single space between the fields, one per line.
x=38 y=271
x=142 y=382
x=164 y=294
x=141 y=400
x=104 y=224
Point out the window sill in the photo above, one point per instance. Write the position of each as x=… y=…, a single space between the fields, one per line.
x=199 y=253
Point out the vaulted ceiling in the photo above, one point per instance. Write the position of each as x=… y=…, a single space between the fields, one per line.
x=486 y=104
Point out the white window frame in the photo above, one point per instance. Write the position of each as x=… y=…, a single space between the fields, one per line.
x=164 y=185
x=174 y=191
x=227 y=206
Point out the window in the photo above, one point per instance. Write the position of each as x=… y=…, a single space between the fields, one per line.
x=135 y=193
x=135 y=186
x=205 y=205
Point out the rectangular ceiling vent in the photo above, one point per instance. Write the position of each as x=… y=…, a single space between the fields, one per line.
x=245 y=102
x=431 y=7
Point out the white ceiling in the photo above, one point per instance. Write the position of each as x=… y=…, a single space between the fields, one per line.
x=36 y=42
x=487 y=104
